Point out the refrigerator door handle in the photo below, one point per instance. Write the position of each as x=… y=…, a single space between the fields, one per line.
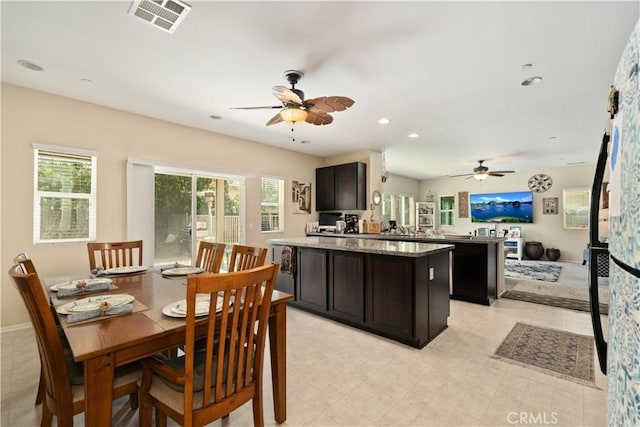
x=596 y=247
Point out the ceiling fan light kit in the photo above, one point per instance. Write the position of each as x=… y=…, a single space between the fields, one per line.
x=296 y=109
x=481 y=172
x=481 y=176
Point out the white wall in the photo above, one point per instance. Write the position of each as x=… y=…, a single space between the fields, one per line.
x=547 y=229
x=35 y=117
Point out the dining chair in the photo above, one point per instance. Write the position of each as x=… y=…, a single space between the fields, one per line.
x=210 y=382
x=210 y=256
x=114 y=254
x=246 y=257
x=26 y=265
x=63 y=394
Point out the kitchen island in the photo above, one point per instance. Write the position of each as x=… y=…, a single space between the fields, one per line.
x=395 y=289
x=478 y=262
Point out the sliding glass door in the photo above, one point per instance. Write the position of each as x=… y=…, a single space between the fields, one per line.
x=192 y=208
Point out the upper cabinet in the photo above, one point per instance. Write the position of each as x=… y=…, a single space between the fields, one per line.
x=342 y=187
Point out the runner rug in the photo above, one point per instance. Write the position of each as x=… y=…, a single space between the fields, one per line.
x=532 y=270
x=559 y=353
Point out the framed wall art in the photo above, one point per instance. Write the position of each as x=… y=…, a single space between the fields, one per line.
x=463 y=204
x=550 y=205
x=300 y=197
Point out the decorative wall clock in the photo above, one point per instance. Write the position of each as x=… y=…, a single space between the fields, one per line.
x=540 y=182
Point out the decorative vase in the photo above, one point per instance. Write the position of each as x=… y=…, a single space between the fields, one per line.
x=533 y=250
x=553 y=254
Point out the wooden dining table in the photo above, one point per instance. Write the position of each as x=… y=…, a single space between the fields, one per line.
x=106 y=343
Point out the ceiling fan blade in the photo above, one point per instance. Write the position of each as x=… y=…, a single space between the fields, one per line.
x=256 y=108
x=329 y=104
x=285 y=95
x=275 y=119
x=318 y=118
x=501 y=172
x=495 y=174
x=464 y=174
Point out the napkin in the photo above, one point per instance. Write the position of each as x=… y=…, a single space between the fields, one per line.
x=91 y=287
x=91 y=314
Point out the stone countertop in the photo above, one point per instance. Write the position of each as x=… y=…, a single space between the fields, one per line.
x=415 y=238
x=382 y=247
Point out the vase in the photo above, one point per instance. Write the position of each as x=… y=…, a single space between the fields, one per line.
x=553 y=254
x=533 y=250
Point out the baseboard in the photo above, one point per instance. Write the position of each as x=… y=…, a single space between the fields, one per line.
x=17 y=327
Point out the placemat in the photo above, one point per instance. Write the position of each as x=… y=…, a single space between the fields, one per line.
x=137 y=306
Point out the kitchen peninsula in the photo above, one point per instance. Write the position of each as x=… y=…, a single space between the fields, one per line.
x=395 y=289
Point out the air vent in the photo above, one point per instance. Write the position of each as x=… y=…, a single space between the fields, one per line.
x=164 y=14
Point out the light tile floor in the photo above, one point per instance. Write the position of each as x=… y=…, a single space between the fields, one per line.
x=340 y=376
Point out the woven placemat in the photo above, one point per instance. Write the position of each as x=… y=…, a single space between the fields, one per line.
x=137 y=306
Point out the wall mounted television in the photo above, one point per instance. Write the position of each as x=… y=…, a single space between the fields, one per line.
x=514 y=207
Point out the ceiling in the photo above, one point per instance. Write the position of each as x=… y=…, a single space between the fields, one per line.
x=449 y=71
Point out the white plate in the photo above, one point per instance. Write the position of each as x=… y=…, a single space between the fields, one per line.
x=72 y=284
x=126 y=269
x=182 y=271
x=179 y=308
x=92 y=303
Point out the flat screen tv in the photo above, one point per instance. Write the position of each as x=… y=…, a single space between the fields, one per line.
x=515 y=207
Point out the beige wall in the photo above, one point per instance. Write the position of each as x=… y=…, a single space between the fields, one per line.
x=35 y=117
x=547 y=229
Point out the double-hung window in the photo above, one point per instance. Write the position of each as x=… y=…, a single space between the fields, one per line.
x=272 y=204
x=64 y=205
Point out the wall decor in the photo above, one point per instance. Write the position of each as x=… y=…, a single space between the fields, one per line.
x=300 y=197
x=463 y=204
x=550 y=205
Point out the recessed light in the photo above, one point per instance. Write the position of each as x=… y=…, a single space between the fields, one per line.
x=531 y=81
x=86 y=80
x=552 y=137
x=214 y=117
x=384 y=121
x=305 y=141
x=413 y=135
x=30 y=65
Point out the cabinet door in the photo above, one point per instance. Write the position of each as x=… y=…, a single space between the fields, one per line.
x=389 y=306
x=346 y=285
x=311 y=285
x=325 y=188
x=470 y=272
x=350 y=186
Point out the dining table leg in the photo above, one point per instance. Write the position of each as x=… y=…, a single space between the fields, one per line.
x=98 y=390
x=278 y=352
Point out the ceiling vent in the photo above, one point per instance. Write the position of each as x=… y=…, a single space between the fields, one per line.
x=164 y=14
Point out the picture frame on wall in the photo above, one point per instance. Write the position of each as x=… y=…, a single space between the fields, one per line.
x=300 y=197
x=514 y=231
x=549 y=205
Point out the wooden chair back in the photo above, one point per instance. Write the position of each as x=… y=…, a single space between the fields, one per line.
x=115 y=254
x=210 y=256
x=232 y=360
x=246 y=257
x=58 y=395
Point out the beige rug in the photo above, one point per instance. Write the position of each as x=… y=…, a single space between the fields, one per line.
x=559 y=353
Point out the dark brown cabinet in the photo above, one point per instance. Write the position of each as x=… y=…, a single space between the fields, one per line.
x=346 y=285
x=474 y=279
x=342 y=187
x=311 y=283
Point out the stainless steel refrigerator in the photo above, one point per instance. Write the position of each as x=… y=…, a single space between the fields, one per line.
x=619 y=355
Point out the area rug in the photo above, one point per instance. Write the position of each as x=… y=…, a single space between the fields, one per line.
x=570 y=303
x=559 y=353
x=532 y=270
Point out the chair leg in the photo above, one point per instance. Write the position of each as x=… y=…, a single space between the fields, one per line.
x=258 y=415
x=40 y=393
x=133 y=401
x=47 y=416
x=161 y=419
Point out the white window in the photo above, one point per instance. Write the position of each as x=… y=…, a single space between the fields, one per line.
x=64 y=206
x=272 y=204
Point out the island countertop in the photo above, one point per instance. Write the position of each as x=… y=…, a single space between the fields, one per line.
x=383 y=247
x=448 y=238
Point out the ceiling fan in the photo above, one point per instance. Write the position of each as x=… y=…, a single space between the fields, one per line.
x=481 y=172
x=296 y=109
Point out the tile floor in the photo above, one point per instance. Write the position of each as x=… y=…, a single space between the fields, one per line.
x=339 y=376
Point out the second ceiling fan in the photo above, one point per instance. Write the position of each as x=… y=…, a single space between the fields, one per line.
x=481 y=172
x=295 y=108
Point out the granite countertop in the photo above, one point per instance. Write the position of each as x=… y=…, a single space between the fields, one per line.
x=383 y=247
x=416 y=238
